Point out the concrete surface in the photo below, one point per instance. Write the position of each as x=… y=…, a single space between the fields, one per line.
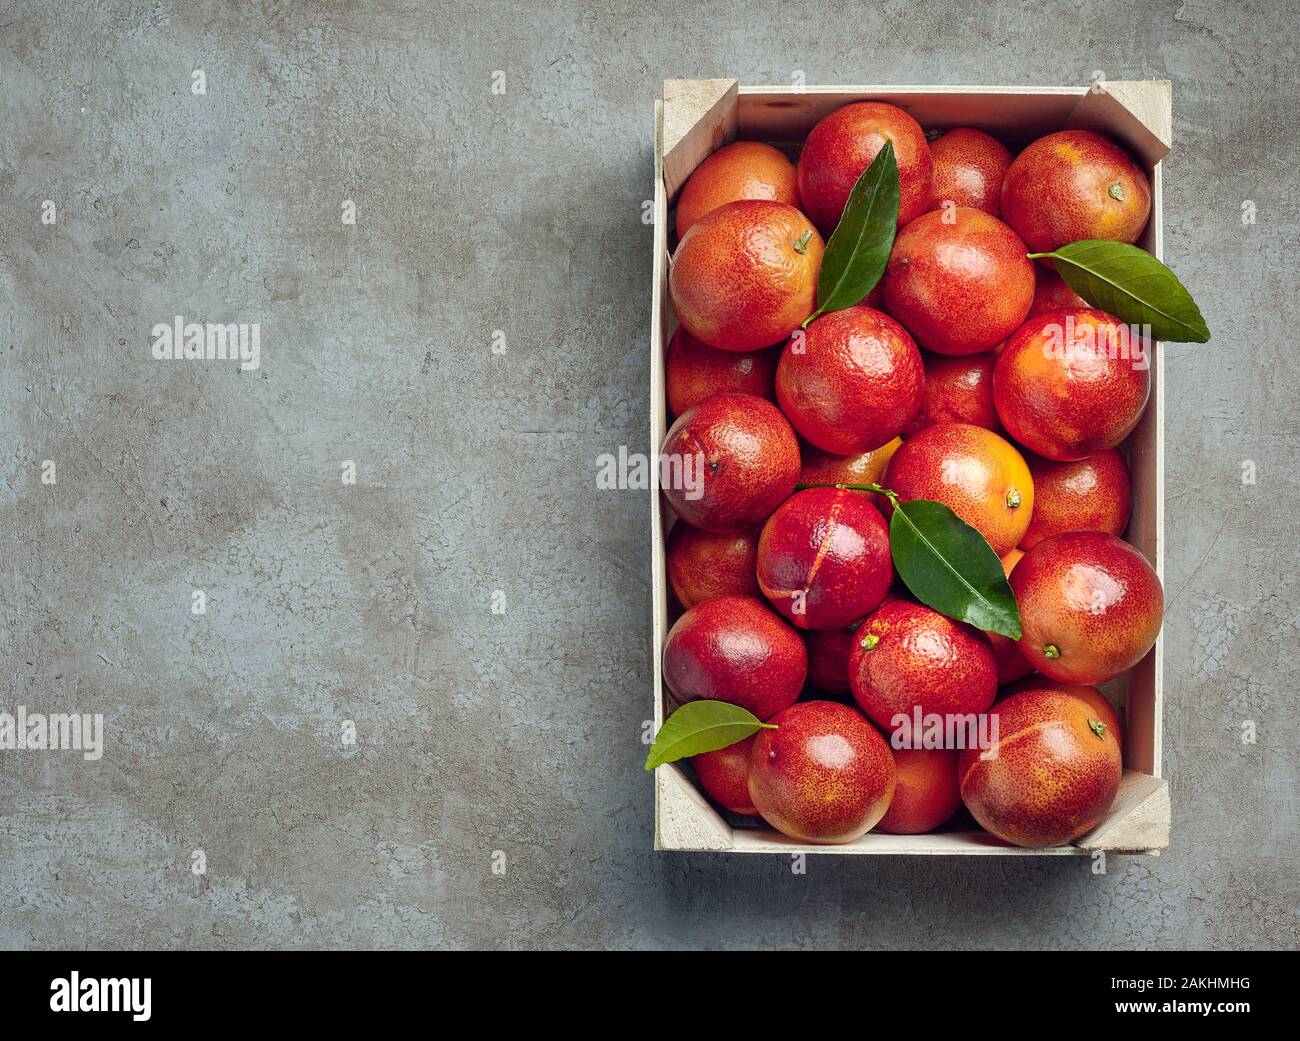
x=520 y=731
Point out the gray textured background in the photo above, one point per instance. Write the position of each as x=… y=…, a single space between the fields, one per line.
x=476 y=472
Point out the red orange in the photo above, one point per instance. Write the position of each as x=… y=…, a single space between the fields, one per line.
x=736 y=461
x=694 y=371
x=978 y=475
x=1090 y=606
x=724 y=776
x=704 y=564
x=969 y=166
x=745 y=275
x=841 y=147
x=823 y=775
x=1091 y=494
x=957 y=390
x=1075 y=184
x=926 y=792
x=743 y=170
x=1051 y=775
x=736 y=649
x=1069 y=384
x=823 y=558
x=958 y=287
x=851 y=381
x=906 y=656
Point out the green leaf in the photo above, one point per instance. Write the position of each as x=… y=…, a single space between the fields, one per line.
x=702 y=726
x=1131 y=284
x=858 y=251
x=950 y=566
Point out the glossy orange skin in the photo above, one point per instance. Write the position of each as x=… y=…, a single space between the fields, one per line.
x=739 y=280
x=705 y=564
x=980 y=476
x=1052 y=294
x=828 y=659
x=823 y=558
x=957 y=390
x=724 y=776
x=843 y=144
x=694 y=371
x=1058 y=190
x=851 y=381
x=1094 y=599
x=1049 y=778
x=969 y=166
x=926 y=792
x=820 y=467
x=919 y=658
x=1102 y=709
x=1069 y=384
x=750 y=461
x=824 y=775
x=1092 y=494
x=1011 y=663
x=958 y=288
x=744 y=170
x=736 y=649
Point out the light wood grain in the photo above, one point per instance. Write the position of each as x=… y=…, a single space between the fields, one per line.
x=1139 y=819
x=1138 y=113
x=699 y=117
x=684 y=820
x=660 y=320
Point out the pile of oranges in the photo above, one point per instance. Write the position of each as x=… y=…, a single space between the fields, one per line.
x=971 y=375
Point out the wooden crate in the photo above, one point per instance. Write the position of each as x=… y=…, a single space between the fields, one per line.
x=696 y=117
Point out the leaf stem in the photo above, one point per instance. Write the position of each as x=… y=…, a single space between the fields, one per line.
x=888 y=493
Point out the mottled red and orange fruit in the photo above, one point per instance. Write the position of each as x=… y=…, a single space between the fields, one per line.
x=743 y=170
x=824 y=775
x=926 y=792
x=957 y=390
x=694 y=371
x=1050 y=776
x=907 y=656
x=745 y=276
x=977 y=474
x=1072 y=185
x=1090 y=606
x=735 y=649
x=842 y=146
x=724 y=776
x=851 y=381
x=959 y=281
x=1069 y=384
x=1091 y=494
x=823 y=558
x=736 y=460
x=969 y=166
x=704 y=564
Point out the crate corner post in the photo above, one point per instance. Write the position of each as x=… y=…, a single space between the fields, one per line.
x=683 y=818
x=1139 y=820
x=699 y=117
x=1137 y=112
